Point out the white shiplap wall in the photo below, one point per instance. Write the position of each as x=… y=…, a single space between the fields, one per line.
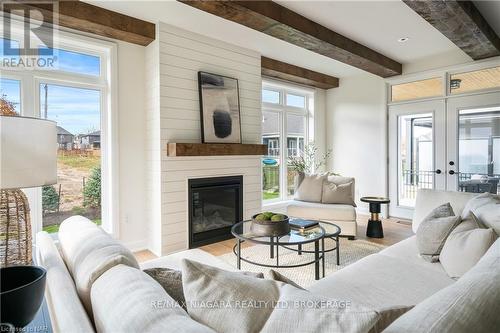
x=181 y=55
x=153 y=149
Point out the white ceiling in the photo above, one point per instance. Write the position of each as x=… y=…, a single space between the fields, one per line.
x=376 y=24
x=491 y=12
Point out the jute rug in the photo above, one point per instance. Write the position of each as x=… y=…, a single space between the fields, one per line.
x=350 y=252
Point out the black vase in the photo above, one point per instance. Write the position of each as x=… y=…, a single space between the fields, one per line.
x=223 y=124
x=21 y=294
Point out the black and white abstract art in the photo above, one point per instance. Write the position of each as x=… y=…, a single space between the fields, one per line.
x=220 y=108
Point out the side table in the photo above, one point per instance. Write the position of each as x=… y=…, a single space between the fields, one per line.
x=374 y=228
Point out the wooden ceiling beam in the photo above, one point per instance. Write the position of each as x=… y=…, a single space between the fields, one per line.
x=462 y=23
x=85 y=17
x=277 y=21
x=283 y=71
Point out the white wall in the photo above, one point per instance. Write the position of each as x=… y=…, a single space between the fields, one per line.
x=356 y=121
x=153 y=147
x=319 y=124
x=131 y=140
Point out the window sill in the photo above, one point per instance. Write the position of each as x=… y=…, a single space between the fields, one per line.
x=276 y=204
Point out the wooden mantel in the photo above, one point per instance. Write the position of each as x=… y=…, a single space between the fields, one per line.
x=176 y=149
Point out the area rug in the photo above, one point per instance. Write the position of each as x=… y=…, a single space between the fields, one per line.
x=350 y=252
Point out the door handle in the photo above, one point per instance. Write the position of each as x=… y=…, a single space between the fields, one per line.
x=438 y=171
x=451 y=172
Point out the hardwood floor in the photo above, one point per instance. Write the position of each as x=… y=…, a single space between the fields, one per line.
x=395 y=230
x=144 y=255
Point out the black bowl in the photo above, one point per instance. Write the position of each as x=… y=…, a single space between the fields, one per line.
x=21 y=294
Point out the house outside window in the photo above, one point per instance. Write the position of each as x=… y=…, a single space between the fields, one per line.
x=286 y=113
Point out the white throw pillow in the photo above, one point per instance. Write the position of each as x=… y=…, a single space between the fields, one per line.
x=237 y=303
x=489 y=215
x=477 y=202
x=125 y=299
x=311 y=188
x=463 y=248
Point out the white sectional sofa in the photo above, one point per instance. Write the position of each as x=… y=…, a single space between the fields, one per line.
x=343 y=215
x=392 y=282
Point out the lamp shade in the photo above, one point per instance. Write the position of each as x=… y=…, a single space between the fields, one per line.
x=28 y=152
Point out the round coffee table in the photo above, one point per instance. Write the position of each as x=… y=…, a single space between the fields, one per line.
x=331 y=231
x=374 y=228
x=241 y=231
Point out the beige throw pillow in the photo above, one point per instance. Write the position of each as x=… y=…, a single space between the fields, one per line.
x=238 y=303
x=171 y=281
x=433 y=231
x=337 y=193
x=277 y=276
x=463 y=248
x=311 y=188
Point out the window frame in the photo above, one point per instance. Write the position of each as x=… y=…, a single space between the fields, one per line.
x=445 y=75
x=282 y=109
x=106 y=83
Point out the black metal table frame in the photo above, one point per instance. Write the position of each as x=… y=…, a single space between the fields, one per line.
x=299 y=249
x=318 y=255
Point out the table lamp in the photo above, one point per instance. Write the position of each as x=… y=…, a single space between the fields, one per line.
x=28 y=158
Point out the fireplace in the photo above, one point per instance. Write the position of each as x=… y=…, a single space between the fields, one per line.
x=215 y=204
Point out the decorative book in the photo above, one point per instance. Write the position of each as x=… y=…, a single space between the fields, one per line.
x=302 y=224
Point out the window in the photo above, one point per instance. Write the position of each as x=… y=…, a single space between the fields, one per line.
x=288 y=114
x=417 y=89
x=10 y=95
x=14 y=45
x=476 y=80
x=75 y=62
x=77 y=112
x=295 y=100
x=270 y=96
x=77 y=94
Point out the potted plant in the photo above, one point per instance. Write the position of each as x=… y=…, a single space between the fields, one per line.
x=308 y=162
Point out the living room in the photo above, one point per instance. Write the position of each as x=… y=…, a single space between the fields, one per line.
x=340 y=153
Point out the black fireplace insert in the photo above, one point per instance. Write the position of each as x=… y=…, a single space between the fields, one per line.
x=215 y=204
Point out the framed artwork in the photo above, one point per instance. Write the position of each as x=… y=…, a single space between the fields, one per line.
x=219 y=108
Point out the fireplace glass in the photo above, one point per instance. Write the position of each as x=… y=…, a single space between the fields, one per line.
x=215 y=205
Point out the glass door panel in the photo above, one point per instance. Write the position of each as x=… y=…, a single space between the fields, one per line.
x=473 y=129
x=416 y=156
x=416 y=153
x=479 y=150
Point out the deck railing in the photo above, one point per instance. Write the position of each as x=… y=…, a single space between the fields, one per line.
x=412 y=181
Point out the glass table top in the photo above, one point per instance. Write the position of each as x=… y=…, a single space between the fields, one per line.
x=242 y=230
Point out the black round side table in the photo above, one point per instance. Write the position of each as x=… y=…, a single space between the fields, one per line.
x=374 y=229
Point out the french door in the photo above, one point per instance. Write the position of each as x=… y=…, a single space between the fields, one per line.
x=416 y=152
x=473 y=142
x=451 y=144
